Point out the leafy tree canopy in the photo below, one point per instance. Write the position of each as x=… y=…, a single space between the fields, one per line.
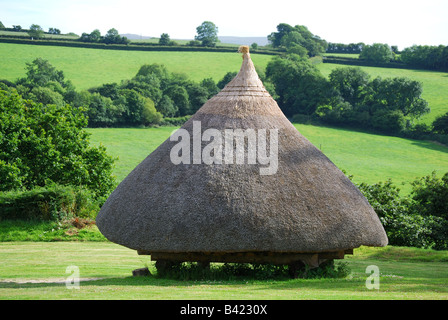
x=207 y=33
x=288 y=37
x=36 y=31
x=44 y=144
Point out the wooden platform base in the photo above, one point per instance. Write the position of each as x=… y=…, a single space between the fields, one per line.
x=295 y=261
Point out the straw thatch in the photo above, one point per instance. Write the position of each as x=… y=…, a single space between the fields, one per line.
x=307 y=206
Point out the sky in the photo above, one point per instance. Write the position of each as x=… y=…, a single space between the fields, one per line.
x=395 y=22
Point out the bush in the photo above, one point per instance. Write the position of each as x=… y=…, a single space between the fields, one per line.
x=48 y=144
x=417 y=221
x=388 y=121
x=177 y=121
x=54 y=202
x=377 y=53
x=234 y=271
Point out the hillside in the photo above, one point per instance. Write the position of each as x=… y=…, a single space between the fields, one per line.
x=92 y=67
x=87 y=68
x=368 y=157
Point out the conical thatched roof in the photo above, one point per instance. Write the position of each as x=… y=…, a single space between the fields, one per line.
x=306 y=205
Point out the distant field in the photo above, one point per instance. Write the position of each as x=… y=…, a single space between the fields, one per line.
x=93 y=67
x=370 y=158
x=46 y=36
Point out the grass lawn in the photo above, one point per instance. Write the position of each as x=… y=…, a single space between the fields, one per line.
x=37 y=270
x=369 y=158
x=87 y=68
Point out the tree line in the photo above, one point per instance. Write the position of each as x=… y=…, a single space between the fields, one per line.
x=153 y=96
x=350 y=97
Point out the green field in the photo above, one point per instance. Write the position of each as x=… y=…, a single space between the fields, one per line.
x=370 y=158
x=93 y=67
x=87 y=68
x=37 y=270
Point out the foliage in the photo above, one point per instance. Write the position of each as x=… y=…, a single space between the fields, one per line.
x=53 y=202
x=112 y=37
x=345 y=48
x=54 y=31
x=440 y=125
x=165 y=40
x=300 y=86
x=41 y=144
x=418 y=221
x=429 y=57
x=239 y=271
x=387 y=105
x=207 y=33
x=40 y=72
x=297 y=36
x=377 y=53
x=430 y=194
x=36 y=31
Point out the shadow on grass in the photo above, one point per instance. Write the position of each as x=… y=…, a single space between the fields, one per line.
x=432 y=145
x=305 y=286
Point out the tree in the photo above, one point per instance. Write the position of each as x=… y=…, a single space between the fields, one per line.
x=40 y=72
x=36 y=31
x=44 y=144
x=166 y=107
x=179 y=96
x=211 y=87
x=288 y=36
x=54 y=31
x=350 y=83
x=164 y=39
x=431 y=194
x=377 y=53
x=226 y=79
x=46 y=96
x=389 y=121
x=400 y=93
x=300 y=86
x=2 y=26
x=112 y=36
x=207 y=33
x=149 y=113
x=440 y=125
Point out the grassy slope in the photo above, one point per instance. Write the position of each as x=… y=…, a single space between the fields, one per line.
x=435 y=85
x=92 y=67
x=370 y=158
x=400 y=277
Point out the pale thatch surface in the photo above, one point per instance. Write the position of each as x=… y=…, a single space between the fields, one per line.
x=309 y=205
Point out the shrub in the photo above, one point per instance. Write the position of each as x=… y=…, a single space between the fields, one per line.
x=54 y=202
x=41 y=144
x=419 y=220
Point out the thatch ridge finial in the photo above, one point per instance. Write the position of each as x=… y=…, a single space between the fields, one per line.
x=244 y=50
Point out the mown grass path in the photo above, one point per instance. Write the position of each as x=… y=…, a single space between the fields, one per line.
x=37 y=270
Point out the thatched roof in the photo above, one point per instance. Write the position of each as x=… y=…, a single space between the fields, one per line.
x=307 y=205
